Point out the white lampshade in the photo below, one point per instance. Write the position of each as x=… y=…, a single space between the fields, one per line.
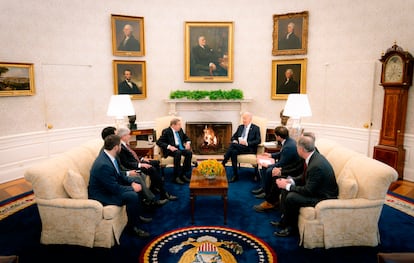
x=297 y=106
x=120 y=106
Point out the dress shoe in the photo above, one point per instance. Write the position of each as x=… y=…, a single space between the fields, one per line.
x=172 y=197
x=161 y=202
x=257 y=191
x=140 y=232
x=234 y=179
x=265 y=205
x=277 y=224
x=260 y=196
x=285 y=232
x=145 y=219
x=185 y=179
x=178 y=181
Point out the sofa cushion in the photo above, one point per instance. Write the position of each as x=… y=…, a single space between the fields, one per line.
x=347 y=184
x=74 y=185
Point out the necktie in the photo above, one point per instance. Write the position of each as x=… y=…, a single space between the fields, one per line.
x=305 y=168
x=132 y=152
x=116 y=165
x=180 y=144
x=244 y=132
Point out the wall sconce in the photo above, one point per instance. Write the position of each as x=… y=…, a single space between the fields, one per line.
x=119 y=107
x=297 y=106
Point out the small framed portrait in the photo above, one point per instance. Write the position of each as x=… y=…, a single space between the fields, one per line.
x=16 y=79
x=290 y=34
x=208 y=52
x=288 y=76
x=129 y=78
x=128 y=36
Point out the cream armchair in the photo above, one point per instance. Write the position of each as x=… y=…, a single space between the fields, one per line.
x=352 y=219
x=160 y=124
x=67 y=215
x=251 y=159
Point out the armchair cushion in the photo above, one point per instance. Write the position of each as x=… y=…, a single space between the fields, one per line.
x=74 y=185
x=347 y=184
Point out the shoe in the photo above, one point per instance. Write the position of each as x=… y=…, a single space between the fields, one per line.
x=178 y=181
x=277 y=224
x=285 y=232
x=185 y=179
x=172 y=197
x=257 y=191
x=234 y=179
x=161 y=202
x=145 y=219
x=140 y=232
x=260 y=196
x=265 y=205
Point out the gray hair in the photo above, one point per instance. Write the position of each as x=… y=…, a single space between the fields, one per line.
x=307 y=143
x=123 y=131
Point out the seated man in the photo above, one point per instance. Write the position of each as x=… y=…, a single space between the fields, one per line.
x=130 y=160
x=288 y=155
x=108 y=186
x=174 y=142
x=244 y=140
x=316 y=183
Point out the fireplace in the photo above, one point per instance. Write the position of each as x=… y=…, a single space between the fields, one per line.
x=209 y=137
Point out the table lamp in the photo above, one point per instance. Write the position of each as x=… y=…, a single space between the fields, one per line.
x=119 y=107
x=297 y=106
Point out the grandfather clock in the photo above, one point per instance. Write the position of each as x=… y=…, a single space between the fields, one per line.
x=396 y=78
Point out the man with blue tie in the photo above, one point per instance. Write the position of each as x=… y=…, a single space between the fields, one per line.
x=244 y=140
x=110 y=187
x=174 y=142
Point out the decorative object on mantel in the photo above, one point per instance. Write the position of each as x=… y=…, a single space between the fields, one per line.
x=210 y=169
x=234 y=94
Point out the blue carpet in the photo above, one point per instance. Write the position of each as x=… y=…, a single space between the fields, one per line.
x=20 y=233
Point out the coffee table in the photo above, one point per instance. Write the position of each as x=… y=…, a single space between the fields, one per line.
x=200 y=186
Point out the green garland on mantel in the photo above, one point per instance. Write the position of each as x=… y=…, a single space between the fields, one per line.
x=234 y=94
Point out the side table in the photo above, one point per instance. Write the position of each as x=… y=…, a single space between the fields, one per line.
x=143 y=148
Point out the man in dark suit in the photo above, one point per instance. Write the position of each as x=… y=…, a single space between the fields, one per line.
x=286 y=156
x=289 y=85
x=130 y=160
x=127 y=86
x=174 y=142
x=110 y=187
x=316 y=183
x=204 y=60
x=129 y=42
x=245 y=140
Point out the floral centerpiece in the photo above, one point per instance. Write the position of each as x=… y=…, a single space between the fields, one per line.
x=210 y=168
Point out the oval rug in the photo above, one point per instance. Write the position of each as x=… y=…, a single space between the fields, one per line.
x=212 y=244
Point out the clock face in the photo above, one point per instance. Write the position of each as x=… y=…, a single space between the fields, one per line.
x=393 y=69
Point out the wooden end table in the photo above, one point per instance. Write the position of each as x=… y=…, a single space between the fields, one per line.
x=144 y=149
x=200 y=186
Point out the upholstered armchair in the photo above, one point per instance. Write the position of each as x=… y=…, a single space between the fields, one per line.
x=160 y=124
x=67 y=215
x=251 y=159
x=352 y=219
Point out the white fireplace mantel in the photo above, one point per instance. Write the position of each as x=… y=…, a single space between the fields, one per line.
x=180 y=105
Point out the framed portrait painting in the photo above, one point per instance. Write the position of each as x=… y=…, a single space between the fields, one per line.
x=16 y=79
x=130 y=78
x=290 y=34
x=127 y=36
x=288 y=76
x=208 y=52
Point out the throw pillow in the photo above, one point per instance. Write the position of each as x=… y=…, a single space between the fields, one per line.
x=74 y=185
x=347 y=184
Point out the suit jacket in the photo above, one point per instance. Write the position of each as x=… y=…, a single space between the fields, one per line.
x=127 y=158
x=253 y=138
x=132 y=44
x=320 y=181
x=167 y=138
x=293 y=42
x=287 y=155
x=286 y=88
x=106 y=185
x=124 y=88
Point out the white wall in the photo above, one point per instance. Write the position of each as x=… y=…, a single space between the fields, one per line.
x=69 y=43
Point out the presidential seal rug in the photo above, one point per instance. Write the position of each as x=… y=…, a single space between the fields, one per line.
x=207 y=244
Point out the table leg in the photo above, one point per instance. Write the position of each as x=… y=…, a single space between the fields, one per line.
x=192 y=200
x=225 y=208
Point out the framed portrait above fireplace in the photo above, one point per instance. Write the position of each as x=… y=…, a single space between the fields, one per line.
x=208 y=52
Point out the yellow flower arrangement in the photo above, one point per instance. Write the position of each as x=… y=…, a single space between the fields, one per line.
x=210 y=168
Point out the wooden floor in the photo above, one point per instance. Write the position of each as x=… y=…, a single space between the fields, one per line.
x=16 y=187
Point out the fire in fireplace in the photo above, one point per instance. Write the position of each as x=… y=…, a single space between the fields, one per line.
x=209 y=137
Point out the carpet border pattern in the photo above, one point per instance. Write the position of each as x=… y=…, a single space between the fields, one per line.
x=400 y=203
x=15 y=204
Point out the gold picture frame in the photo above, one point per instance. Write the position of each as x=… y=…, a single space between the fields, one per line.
x=137 y=87
x=16 y=79
x=290 y=34
x=214 y=62
x=282 y=70
x=133 y=27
